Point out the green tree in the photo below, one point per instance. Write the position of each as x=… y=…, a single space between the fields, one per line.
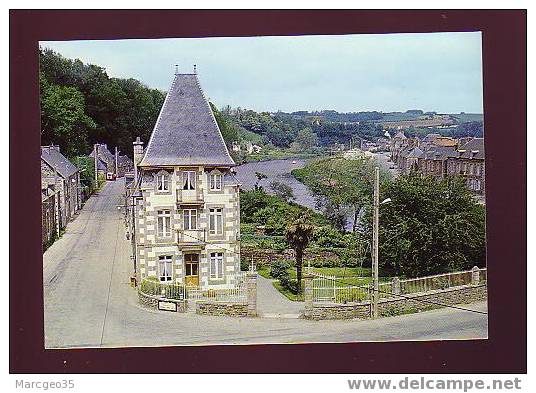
x=305 y=140
x=63 y=120
x=119 y=109
x=298 y=235
x=260 y=176
x=340 y=186
x=431 y=226
x=282 y=190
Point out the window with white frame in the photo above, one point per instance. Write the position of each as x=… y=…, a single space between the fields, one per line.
x=188 y=180
x=162 y=182
x=215 y=222
x=164 y=223
x=216 y=265
x=190 y=219
x=165 y=268
x=215 y=181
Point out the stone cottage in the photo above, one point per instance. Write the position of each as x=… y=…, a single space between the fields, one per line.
x=186 y=198
x=60 y=177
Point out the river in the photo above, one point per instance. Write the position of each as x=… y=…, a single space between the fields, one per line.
x=279 y=170
x=276 y=170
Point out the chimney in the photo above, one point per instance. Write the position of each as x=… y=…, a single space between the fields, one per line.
x=138 y=155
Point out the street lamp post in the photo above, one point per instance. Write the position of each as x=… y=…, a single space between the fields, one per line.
x=375 y=227
x=375 y=236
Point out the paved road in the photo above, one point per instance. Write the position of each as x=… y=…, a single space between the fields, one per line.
x=384 y=161
x=89 y=303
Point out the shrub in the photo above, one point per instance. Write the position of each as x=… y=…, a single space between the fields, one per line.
x=292 y=286
x=244 y=265
x=279 y=270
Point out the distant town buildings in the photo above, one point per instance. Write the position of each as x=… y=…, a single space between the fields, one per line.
x=441 y=156
x=249 y=147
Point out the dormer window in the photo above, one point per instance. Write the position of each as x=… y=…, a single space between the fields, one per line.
x=215 y=181
x=189 y=180
x=162 y=182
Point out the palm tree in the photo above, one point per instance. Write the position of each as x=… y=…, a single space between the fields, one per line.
x=298 y=235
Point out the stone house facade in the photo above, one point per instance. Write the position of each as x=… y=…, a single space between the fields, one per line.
x=468 y=161
x=440 y=156
x=60 y=177
x=186 y=212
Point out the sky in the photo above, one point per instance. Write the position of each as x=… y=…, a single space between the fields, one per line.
x=439 y=72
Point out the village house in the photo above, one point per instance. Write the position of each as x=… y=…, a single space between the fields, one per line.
x=106 y=165
x=124 y=165
x=468 y=161
x=60 y=190
x=441 y=156
x=186 y=215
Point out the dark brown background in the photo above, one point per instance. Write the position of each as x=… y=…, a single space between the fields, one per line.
x=504 y=52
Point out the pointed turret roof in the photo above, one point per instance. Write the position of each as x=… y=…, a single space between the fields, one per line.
x=186 y=132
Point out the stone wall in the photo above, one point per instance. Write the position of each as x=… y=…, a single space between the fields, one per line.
x=451 y=296
x=151 y=302
x=222 y=308
x=398 y=305
x=338 y=311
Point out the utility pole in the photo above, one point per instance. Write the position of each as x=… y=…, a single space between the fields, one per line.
x=116 y=164
x=375 y=229
x=96 y=153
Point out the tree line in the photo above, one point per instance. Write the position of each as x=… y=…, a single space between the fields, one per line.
x=81 y=105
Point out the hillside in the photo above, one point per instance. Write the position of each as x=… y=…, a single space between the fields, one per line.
x=81 y=105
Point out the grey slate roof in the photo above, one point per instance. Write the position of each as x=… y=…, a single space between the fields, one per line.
x=416 y=153
x=124 y=160
x=104 y=154
x=52 y=156
x=439 y=152
x=472 y=149
x=186 y=132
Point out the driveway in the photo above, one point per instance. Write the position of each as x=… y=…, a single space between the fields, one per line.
x=89 y=302
x=271 y=303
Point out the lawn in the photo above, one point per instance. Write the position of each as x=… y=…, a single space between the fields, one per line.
x=344 y=276
x=350 y=275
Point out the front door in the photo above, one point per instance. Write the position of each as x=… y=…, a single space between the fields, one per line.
x=191 y=264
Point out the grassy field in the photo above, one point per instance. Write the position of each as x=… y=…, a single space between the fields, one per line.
x=279 y=154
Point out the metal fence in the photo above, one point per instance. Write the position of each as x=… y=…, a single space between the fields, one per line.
x=237 y=293
x=179 y=291
x=330 y=289
x=333 y=289
x=169 y=291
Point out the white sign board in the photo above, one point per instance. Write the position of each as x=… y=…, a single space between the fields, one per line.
x=167 y=306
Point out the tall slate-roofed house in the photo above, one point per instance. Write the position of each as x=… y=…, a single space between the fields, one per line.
x=187 y=214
